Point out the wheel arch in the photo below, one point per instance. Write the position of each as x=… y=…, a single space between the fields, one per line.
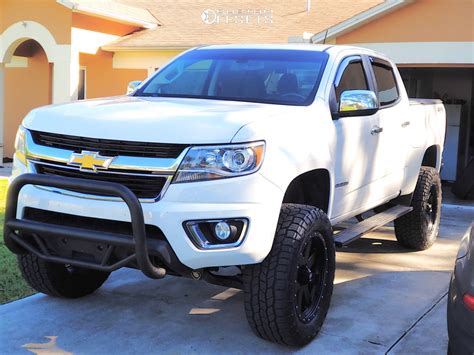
x=432 y=157
x=310 y=188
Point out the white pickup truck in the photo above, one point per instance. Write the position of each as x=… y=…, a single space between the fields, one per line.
x=230 y=164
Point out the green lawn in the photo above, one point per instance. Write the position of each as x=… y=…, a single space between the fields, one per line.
x=12 y=285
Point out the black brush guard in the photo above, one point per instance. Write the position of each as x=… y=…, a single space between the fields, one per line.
x=16 y=230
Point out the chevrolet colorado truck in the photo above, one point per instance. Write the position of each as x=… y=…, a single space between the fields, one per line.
x=230 y=164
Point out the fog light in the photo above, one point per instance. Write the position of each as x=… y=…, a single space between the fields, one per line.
x=222 y=230
x=216 y=233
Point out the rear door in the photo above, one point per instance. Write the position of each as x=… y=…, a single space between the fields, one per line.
x=394 y=122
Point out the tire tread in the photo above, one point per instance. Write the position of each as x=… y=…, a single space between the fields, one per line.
x=53 y=279
x=266 y=312
x=409 y=228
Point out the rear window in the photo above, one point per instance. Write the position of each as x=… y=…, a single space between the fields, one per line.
x=386 y=82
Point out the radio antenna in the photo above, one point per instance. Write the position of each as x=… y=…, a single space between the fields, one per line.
x=325 y=36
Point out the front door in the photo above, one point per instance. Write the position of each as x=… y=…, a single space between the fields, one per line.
x=357 y=152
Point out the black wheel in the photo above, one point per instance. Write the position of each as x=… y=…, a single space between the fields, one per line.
x=419 y=229
x=287 y=296
x=58 y=279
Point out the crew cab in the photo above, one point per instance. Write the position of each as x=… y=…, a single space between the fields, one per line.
x=231 y=164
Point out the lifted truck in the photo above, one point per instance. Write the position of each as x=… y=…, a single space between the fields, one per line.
x=230 y=164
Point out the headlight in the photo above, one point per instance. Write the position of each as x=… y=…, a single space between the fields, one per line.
x=20 y=144
x=215 y=162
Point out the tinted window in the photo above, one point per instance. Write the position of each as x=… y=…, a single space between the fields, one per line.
x=386 y=83
x=256 y=75
x=353 y=78
x=189 y=81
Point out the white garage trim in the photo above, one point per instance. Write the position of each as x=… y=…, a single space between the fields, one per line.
x=425 y=52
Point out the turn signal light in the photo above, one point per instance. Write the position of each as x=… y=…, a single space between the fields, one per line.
x=469 y=301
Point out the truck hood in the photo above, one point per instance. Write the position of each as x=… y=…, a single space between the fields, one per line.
x=160 y=120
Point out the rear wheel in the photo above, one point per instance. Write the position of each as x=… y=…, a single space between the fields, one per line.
x=419 y=229
x=288 y=295
x=58 y=279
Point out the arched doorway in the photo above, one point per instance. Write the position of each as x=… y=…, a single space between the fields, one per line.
x=27 y=84
x=34 y=70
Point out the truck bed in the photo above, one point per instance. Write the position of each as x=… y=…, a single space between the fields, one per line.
x=424 y=101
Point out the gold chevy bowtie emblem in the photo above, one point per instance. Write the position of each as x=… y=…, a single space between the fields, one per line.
x=90 y=161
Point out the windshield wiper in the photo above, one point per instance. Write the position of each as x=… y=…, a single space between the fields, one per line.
x=146 y=94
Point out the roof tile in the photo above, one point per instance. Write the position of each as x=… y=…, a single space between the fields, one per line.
x=182 y=25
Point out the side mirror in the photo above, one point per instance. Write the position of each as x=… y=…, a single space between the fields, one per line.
x=131 y=87
x=358 y=103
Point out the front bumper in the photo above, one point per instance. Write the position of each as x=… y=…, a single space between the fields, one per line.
x=252 y=197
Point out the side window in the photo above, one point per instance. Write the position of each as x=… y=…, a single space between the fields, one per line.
x=352 y=78
x=386 y=83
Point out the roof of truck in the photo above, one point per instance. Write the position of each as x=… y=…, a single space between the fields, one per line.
x=295 y=46
x=330 y=48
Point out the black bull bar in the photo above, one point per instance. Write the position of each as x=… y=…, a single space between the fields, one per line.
x=16 y=230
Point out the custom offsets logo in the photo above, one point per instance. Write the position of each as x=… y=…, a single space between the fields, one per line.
x=240 y=16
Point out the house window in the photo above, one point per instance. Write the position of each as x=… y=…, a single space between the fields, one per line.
x=81 y=87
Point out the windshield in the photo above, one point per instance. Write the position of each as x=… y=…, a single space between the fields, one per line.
x=289 y=77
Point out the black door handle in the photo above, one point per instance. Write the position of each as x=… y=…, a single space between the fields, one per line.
x=376 y=130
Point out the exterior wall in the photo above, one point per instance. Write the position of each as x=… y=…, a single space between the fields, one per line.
x=49 y=13
x=149 y=60
x=28 y=82
x=101 y=25
x=421 y=21
x=425 y=32
x=102 y=79
x=25 y=89
x=69 y=40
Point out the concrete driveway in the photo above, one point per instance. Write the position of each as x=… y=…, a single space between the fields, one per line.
x=386 y=300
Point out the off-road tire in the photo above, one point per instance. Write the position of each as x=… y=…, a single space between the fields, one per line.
x=272 y=288
x=419 y=229
x=59 y=280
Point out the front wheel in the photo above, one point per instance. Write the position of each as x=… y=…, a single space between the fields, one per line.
x=287 y=296
x=58 y=279
x=419 y=229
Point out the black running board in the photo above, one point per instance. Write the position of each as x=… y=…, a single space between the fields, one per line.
x=356 y=231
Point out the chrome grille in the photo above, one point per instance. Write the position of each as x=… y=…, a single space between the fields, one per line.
x=144 y=185
x=108 y=147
